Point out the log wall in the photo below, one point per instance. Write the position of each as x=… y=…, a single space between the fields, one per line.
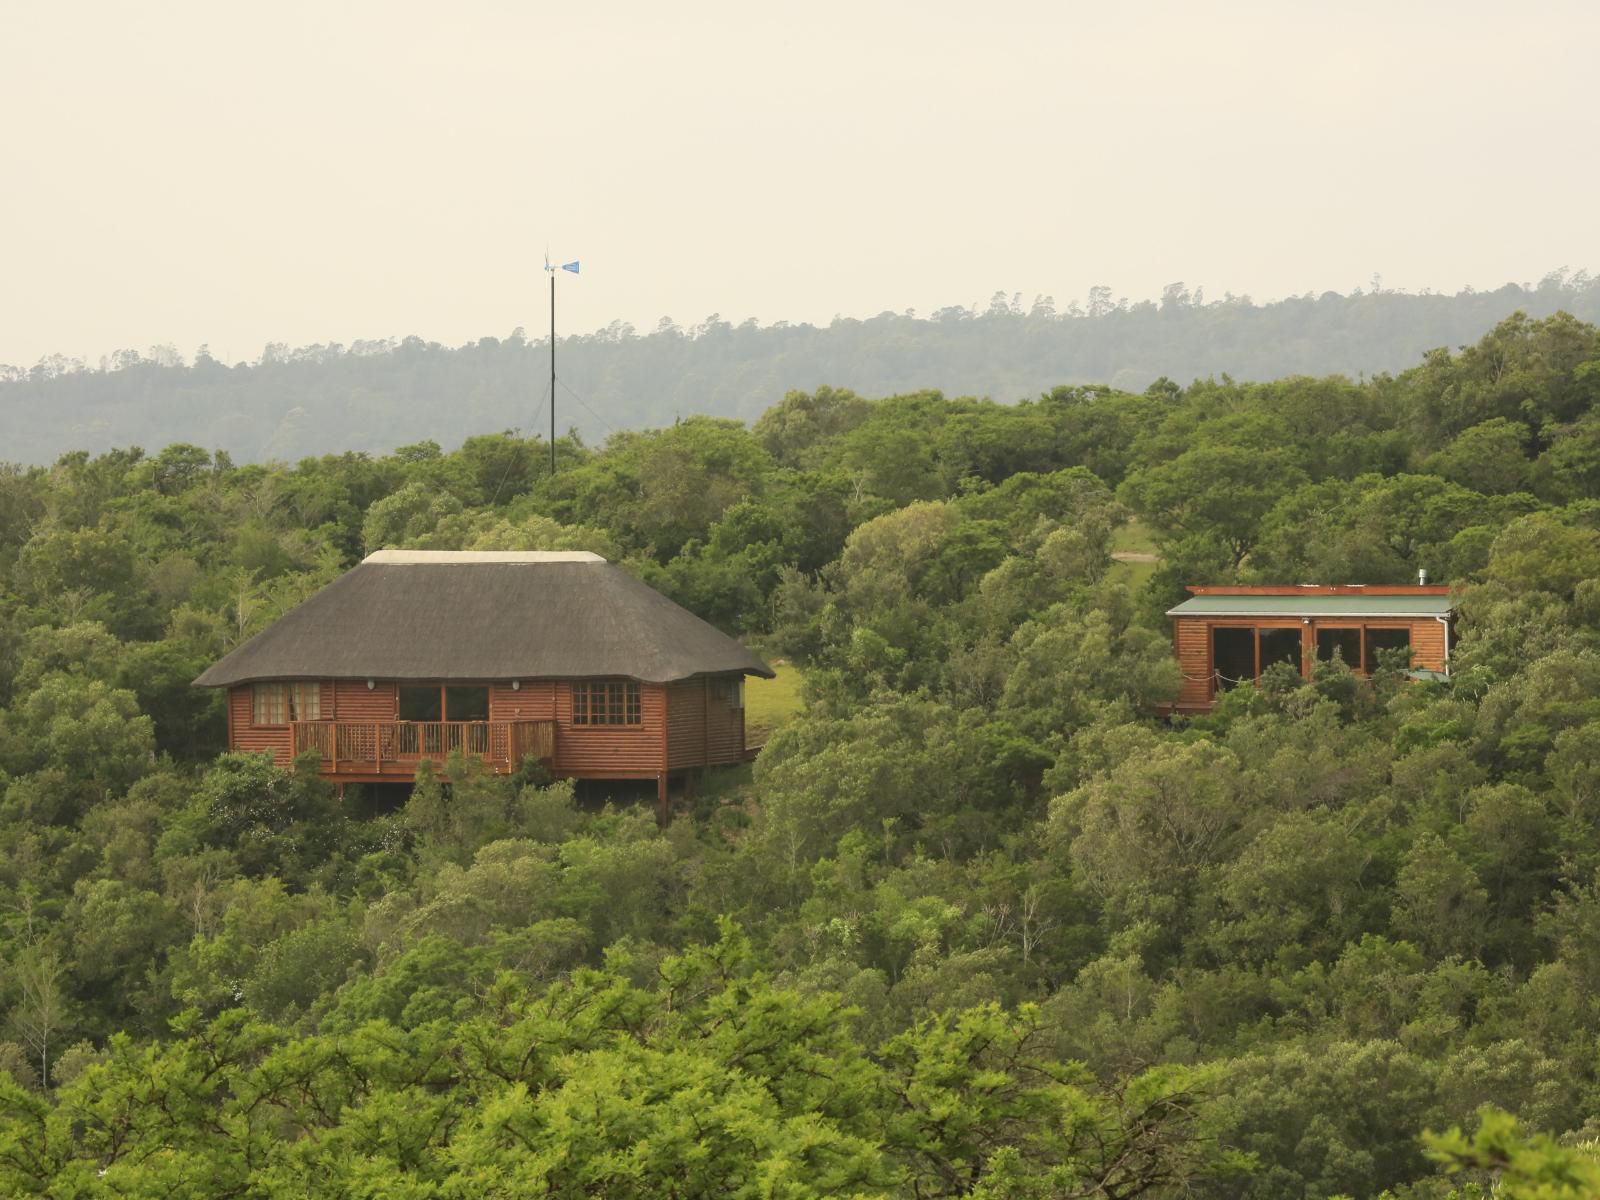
x=1191 y=642
x=613 y=751
x=596 y=752
x=724 y=724
x=686 y=724
x=533 y=700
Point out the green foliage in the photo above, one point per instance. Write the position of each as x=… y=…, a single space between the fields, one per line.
x=1520 y=1167
x=977 y=922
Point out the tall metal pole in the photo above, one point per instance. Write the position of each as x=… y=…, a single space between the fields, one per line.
x=552 y=373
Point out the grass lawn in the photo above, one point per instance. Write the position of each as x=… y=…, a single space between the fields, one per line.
x=1132 y=538
x=768 y=703
x=1133 y=574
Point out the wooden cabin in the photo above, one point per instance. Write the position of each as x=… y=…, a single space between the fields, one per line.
x=1226 y=636
x=413 y=655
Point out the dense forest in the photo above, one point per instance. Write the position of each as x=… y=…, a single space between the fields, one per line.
x=977 y=922
x=378 y=395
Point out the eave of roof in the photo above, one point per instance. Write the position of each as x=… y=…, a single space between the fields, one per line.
x=1314 y=606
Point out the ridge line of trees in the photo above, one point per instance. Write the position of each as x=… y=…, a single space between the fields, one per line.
x=376 y=395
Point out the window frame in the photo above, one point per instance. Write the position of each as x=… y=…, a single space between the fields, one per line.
x=443 y=690
x=1255 y=628
x=623 y=703
x=1361 y=665
x=1360 y=630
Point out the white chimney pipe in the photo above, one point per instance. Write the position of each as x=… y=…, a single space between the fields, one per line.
x=1422 y=576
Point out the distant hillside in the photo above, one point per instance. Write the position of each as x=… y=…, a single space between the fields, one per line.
x=378 y=395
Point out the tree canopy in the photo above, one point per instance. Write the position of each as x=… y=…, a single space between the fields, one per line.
x=978 y=922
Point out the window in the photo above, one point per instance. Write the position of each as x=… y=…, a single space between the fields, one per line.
x=605 y=702
x=466 y=704
x=422 y=703
x=1280 y=645
x=1346 y=643
x=1379 y=640
x=1233 y=655
x=444 y=702
x=1358 y=648
x=280 y=703
x=732 y=692
x=1239 y=653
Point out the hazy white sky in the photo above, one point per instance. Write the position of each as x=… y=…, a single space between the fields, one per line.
x=200 y=171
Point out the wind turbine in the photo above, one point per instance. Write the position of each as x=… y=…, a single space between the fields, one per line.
x=551 y=271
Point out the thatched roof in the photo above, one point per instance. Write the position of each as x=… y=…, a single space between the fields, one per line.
x=423 y=615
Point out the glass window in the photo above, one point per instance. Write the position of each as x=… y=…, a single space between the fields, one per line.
x=280 y=703
x=1233 y=655
x=421 y=704
x=466 y=704
x=605 y=702
x=1386 y=639
x=305 y=702
x=269 y=704
x=733 y=692
x=1344 y=642
x=1280 y=645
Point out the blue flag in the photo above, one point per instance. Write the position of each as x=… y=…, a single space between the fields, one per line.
x=571 y=266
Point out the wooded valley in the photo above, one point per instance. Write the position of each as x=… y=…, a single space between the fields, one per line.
x=976 y=922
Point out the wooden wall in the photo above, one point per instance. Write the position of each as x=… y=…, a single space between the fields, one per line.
x=686 y=723
x=353 y=702
x=1191 y=639
x=613 y=751
x=1191 y=642
x=253 y=739
x=534 y=700
x=1428 y=645
x=703 y=730
x=724 y=726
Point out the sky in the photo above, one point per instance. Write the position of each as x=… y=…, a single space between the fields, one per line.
x=233 y=174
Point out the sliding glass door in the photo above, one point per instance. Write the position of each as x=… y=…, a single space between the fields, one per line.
x=1239 y=653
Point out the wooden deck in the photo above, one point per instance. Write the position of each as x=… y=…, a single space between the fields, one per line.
x=375 y=750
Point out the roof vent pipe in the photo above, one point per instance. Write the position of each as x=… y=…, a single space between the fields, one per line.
x=1422 y=576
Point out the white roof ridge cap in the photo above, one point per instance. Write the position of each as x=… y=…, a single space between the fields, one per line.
x=454 y=557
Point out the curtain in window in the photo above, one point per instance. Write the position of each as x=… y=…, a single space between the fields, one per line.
x=280 y=703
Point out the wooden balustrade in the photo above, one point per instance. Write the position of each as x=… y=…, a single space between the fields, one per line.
x=379 y=747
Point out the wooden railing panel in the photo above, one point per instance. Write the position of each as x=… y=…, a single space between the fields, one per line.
x=367 y=747
x=533 y=739
x=313 y=735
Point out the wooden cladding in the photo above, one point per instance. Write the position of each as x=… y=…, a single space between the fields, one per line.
x=613 y=751
x=692 y=723
x=1216 y=653
x=705 y=721
x=605 y=702
x=353 y=700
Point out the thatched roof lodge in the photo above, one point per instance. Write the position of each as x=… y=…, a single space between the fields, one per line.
x=560 y=655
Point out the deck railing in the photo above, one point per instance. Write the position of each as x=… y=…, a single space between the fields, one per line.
x=373 y=747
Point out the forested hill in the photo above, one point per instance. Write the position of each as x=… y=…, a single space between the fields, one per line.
x=378 y=395
x=977 y=924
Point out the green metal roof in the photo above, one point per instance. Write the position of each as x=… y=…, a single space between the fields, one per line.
x=1313 y=606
